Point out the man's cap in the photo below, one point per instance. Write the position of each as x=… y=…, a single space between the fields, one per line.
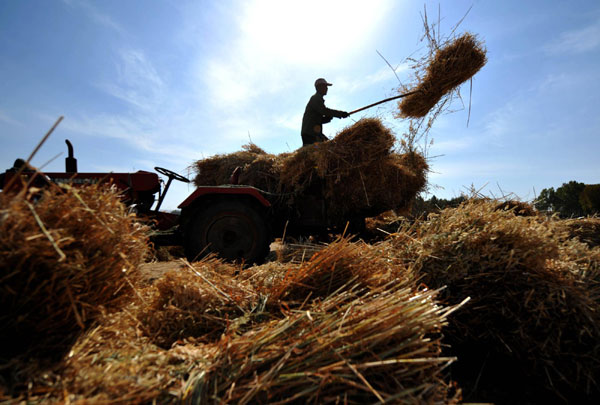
x=321 y=81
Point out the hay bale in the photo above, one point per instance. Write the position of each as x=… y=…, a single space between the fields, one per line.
x=63 y=258
x=383 y=346
x=534 y=307
x=116 y=363
x=517 y=207
x=199 y=301
x=357 y=173
x=587 y=230
x=217 y=170
x=451 y=65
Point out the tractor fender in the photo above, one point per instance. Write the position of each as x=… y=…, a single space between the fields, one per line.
x=204 y=191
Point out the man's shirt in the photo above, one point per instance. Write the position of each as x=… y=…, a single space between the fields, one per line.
x=316 y=114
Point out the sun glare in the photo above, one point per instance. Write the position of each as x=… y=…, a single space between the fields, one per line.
x=303 y=32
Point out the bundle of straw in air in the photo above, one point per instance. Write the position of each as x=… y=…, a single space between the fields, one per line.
x=534 y=307
x=383 y=346
x=66 y=254
x=450 y=65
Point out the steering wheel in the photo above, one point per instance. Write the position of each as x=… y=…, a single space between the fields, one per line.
x=170 y=174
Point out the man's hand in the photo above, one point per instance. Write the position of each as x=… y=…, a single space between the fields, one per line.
x=345 y=114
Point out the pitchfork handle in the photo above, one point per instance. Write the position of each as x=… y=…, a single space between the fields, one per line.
x=383 y=101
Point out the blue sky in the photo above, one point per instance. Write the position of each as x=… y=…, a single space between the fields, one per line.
x=164 y=83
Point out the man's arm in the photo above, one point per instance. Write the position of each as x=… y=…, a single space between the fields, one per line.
x=319 y=105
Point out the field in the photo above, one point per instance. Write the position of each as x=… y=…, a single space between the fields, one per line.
x=487 y=302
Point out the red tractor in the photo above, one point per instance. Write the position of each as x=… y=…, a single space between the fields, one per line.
x=235 y=221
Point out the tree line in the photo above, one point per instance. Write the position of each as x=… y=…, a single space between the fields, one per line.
x=572 y=199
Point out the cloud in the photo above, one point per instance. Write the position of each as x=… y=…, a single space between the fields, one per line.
x=577 y=41
x=137 y=81
x=4 y=117
x=382 y=75
x=96 y=15
x=276 y=40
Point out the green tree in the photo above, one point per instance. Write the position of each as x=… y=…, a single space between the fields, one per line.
x=568 y=199
x=565 y=200
x=590 y=199
x=547 y=200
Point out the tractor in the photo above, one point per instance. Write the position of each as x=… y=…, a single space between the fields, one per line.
x=236 y=222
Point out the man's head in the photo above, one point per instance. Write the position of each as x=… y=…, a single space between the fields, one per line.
x=321 y=85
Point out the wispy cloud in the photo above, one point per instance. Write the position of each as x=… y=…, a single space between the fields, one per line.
x=137 y=81
x=274 y=43
x=96 y=15
x=581 y=40
x=4 y=117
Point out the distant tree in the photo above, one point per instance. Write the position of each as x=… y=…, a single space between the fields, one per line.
x=422 y=207
x=547 y=200
x=564 y=201
x=590 y=199
x=568 y=199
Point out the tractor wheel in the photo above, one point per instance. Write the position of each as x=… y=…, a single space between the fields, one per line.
x=234 y=230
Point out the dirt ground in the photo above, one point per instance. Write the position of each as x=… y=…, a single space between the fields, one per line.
x=155 y=270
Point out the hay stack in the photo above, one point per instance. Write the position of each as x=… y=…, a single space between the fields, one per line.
x=259 y=169
x=199 y=301
x=116 y=363
x=534 y=293
x=384 y=346
x=335 y=268
x=357 y=173
x=450 y=66
x=63 y=258
x=587 y=230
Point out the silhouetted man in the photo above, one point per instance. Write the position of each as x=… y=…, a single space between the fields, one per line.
x=316 y=114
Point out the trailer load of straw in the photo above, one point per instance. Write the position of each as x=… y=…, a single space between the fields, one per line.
x=66 y=255
x=356 y=173
x=446 y=68
x=534 y=295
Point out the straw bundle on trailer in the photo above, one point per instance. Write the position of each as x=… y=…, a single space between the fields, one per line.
x=534 y=308
x=199 y=301
x=356 y=173
x=383 y=346
x=448 y=67
x=259 y=169
x=62 y=259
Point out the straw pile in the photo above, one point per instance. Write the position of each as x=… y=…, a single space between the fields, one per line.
x=376 y=337
x=447 y=68
x=64 y=258
x=383 y=346
x=357 y=173
x=587 y=230
x=535 y=296
x=198 y=301
x=335 y=268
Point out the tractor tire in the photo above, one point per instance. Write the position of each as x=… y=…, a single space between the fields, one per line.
x=233 y=230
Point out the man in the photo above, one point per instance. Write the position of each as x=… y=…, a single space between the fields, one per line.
x=316 y=114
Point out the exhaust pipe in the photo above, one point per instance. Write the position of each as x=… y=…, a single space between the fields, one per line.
x=70 y=161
